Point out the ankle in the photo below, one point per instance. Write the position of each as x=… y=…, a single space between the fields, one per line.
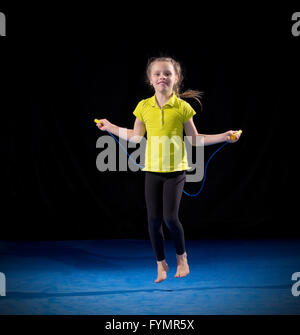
x=184 y=255
x=161 y=262
x=181 y=259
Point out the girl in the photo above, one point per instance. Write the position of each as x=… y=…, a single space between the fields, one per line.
x=165 y=114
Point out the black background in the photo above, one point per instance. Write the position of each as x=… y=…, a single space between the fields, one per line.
x=61 y=68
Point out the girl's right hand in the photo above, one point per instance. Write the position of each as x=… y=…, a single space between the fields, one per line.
x=104 y=125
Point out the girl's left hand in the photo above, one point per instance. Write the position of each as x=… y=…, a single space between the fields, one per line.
x=229 y=133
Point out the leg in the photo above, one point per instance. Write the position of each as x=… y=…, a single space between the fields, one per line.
x=172 y=195
x=171 y=199
x=154 y=198
x=182 y=266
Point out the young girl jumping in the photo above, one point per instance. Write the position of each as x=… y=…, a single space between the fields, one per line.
x=166 y=115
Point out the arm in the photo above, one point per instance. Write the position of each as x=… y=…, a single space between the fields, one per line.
x=191 y=130
x=132 y=135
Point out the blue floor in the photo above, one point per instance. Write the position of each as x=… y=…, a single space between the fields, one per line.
x=116 y=277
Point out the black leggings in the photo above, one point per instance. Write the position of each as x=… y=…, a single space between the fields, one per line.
x=163 y=192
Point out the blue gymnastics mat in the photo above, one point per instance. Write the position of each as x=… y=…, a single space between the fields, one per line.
x=116 y=277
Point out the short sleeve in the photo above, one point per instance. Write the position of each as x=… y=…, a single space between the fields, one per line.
x=138 y=111
x=188 y=112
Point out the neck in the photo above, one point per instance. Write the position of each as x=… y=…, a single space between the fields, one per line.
x=162 y=98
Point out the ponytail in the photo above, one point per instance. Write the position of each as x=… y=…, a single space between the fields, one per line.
x=198 y=95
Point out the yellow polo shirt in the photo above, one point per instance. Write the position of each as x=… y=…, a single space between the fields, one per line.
x=165 y=149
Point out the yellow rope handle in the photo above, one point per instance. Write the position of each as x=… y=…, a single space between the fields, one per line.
x=233 y=137
x=97 y=121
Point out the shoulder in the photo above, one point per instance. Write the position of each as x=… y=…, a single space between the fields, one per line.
x=141 y=109
x=141 y=103
x=144 y=103
x=183 y=105
x=140 y=106
x=185 y=109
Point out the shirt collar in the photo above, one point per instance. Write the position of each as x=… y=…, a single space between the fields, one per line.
x=171 y=102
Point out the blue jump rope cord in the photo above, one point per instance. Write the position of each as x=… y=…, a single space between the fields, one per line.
x=205 y=168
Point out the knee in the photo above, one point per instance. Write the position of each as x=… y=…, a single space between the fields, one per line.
x=154 y=222
x=171 y=220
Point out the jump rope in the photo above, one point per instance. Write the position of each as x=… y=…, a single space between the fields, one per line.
x=232 y=137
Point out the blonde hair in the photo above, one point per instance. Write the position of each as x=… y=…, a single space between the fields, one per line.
x=177 y=67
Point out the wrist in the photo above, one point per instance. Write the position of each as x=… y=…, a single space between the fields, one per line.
x=113 y=129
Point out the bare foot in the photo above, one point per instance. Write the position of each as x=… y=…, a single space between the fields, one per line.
x=162 y=269
x=182 y=266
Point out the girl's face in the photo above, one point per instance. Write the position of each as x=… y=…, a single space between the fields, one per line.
x=163 y=76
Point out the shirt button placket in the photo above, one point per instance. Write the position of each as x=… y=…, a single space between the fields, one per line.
x=161 y=117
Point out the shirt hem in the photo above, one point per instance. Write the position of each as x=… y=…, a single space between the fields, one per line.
x=184 y=169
